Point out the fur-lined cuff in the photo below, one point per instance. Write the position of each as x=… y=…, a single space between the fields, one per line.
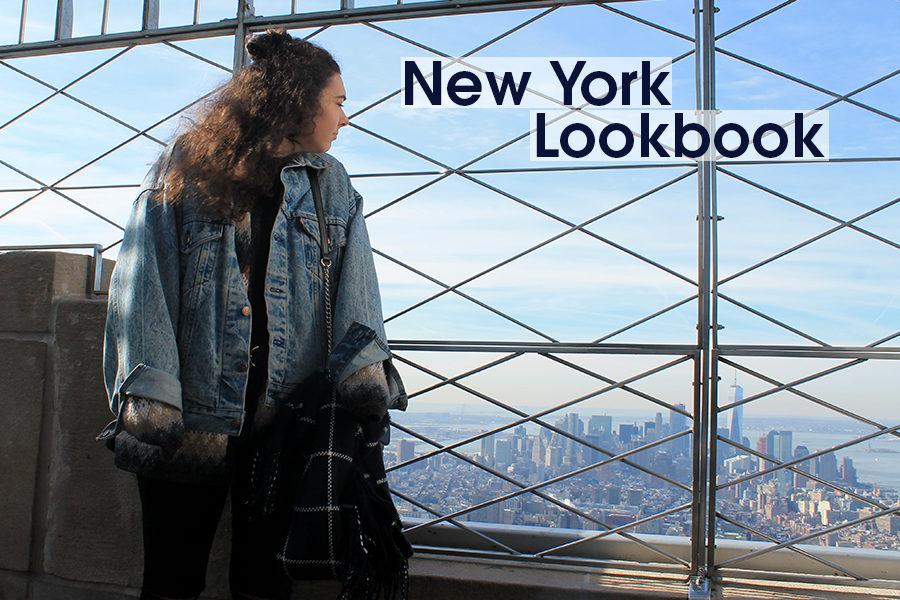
x=365 y=392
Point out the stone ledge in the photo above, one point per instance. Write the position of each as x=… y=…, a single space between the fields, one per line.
x=441 y=577
x=31 y=280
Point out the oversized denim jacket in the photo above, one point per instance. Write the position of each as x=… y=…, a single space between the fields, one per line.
x=178 y=318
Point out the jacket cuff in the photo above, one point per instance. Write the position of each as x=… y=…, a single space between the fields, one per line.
x=397 y=399
x=154 y=384
x=360 y=347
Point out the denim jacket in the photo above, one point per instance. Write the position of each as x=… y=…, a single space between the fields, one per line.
x=178 y=318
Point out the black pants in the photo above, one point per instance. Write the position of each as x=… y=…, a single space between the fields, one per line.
x=179 y=524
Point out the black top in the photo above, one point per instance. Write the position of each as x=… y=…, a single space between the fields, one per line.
x=262 y=218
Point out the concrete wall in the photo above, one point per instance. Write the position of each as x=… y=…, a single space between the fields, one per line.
x=70 y=522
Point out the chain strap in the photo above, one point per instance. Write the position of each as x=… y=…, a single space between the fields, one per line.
x=324 y=261
x=325 y=265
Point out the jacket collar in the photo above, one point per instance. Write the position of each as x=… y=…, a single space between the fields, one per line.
x=319 y=160
x=297 y=199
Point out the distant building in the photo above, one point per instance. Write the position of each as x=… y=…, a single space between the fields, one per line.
x=600 y=424
x=635 y=497
x=781 y=445
x=407 y=450
x=799 y=480
x=487 y=450
x=827 y=467
x=503 y=452
x=575 y=426
x=614 y=495
x=520 y=441
x=591 y=455
x=677 y=421
x=738 y=465
x=848 y=472
x=555 y=456
x=723 y=450
x=736 y=432
x=538 y=451
x=784 y=445
x=888 y=523
x=627 y=431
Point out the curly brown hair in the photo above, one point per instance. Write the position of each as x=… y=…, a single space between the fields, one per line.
x=226 y=155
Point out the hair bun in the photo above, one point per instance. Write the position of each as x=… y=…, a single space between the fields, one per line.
x=264 y=46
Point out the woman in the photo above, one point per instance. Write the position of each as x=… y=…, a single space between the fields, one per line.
x=216 y=304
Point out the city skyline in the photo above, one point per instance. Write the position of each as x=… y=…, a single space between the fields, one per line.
x=778 y=504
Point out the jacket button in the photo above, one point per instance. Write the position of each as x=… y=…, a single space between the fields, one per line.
x=236 y=422
x=245 y=311
x=242 y=366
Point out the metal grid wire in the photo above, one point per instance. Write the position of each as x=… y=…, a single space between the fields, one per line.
x=705 y=357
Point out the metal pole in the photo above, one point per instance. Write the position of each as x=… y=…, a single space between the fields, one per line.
x=150 y=19
x=22 y=21
x=104 y=20
x=244 y=10
x=709 y=294
x=63 y=30
x=698 y=450
x=698 y=525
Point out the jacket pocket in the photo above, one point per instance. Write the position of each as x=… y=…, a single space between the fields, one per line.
x=308 y=224
x=197 y=232
x=199 y=241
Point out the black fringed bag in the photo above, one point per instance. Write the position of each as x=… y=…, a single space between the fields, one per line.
x=318 y=474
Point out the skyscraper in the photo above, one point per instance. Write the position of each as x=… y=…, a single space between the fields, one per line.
x=678 y=422
x=519 y=444
x=780 y=445
x=848 y=471
x=737 y=414
x=627 y=431
x=538 y=451
x=575 y=426
x=591 y=455
x=827 y=467
x=600 y=424
x=784 y=445
x=407 y=450
x=799 y=480
x=503 y=451
x=555 y=456
x=487 y=450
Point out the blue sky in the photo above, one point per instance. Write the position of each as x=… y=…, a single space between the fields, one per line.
x=843 y=289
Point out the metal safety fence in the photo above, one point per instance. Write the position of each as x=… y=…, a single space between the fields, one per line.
x=703 y=495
